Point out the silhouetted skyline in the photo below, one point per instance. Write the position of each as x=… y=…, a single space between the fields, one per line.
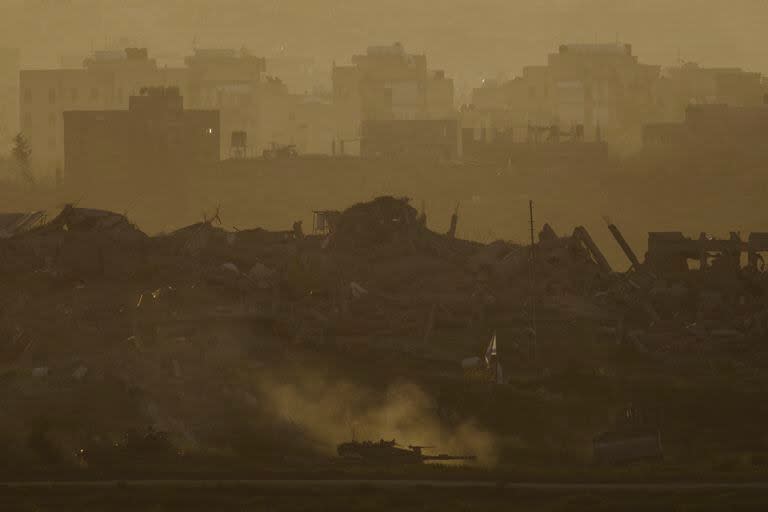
x=464 y=37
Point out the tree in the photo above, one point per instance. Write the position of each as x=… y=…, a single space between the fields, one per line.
x=21 y=153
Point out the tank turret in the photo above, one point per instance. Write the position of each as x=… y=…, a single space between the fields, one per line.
x=383 y=451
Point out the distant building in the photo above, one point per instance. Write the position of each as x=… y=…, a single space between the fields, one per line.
x=105 y=82
x=9 y=94
x=692 y=84
x=268 y=114
x=411 y=139
x=601 y=87
x=228 y=81
x=254 y=100
x=712 y=128
x=386 y=84
x=233 y=82
x=601 y=84
x=155 y=139
x=500 y=110
x=210 y=69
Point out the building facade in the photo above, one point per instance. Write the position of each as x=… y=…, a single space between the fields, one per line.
x=709 y=128
x=156 y=138
x=602 y=88
x=235 y=83
x=691 y=84
x=105 y=82
x=386 y=84
x=389 y=83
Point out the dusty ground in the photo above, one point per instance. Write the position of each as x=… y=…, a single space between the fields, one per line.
x=362 y=496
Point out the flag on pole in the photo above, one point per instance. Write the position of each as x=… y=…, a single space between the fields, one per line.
x=491 y=350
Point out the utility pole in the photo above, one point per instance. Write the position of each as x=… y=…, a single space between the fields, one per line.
x=533 y=287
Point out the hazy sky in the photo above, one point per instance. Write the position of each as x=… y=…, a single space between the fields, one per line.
x=466 y=37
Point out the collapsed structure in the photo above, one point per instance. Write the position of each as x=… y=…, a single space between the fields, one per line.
x=88 y=297
x=377 y=267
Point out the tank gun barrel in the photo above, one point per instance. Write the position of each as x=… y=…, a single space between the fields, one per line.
x=388 y=451
x=448 y=457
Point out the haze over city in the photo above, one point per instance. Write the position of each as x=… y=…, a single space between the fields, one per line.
x=465 y=37
x=383 y=255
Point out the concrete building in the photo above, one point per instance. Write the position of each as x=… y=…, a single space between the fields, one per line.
x=692 y=84
x=601 y=84
x=710 y=129
x=228 y=81
x=268 y=114
x=256 y=109
x=388 y=83
x=208 y=70
x=385 y=84
x=253 y=99
x=233 y=82
x=591 y=85
x=105 y=82
x=154 y=139
x=500 y=110
x=9 y=96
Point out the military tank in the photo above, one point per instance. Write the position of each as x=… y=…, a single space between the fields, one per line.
x=388 y=452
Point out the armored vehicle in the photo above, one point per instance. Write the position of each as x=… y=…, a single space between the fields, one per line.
x=390 y=452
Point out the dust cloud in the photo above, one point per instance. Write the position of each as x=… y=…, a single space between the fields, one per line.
x=331 y=412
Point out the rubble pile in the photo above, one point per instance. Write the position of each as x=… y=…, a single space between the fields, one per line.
x=77 y=243
x=384 y=220
x=89 y=298
x=14 y=223
x=380 y=269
